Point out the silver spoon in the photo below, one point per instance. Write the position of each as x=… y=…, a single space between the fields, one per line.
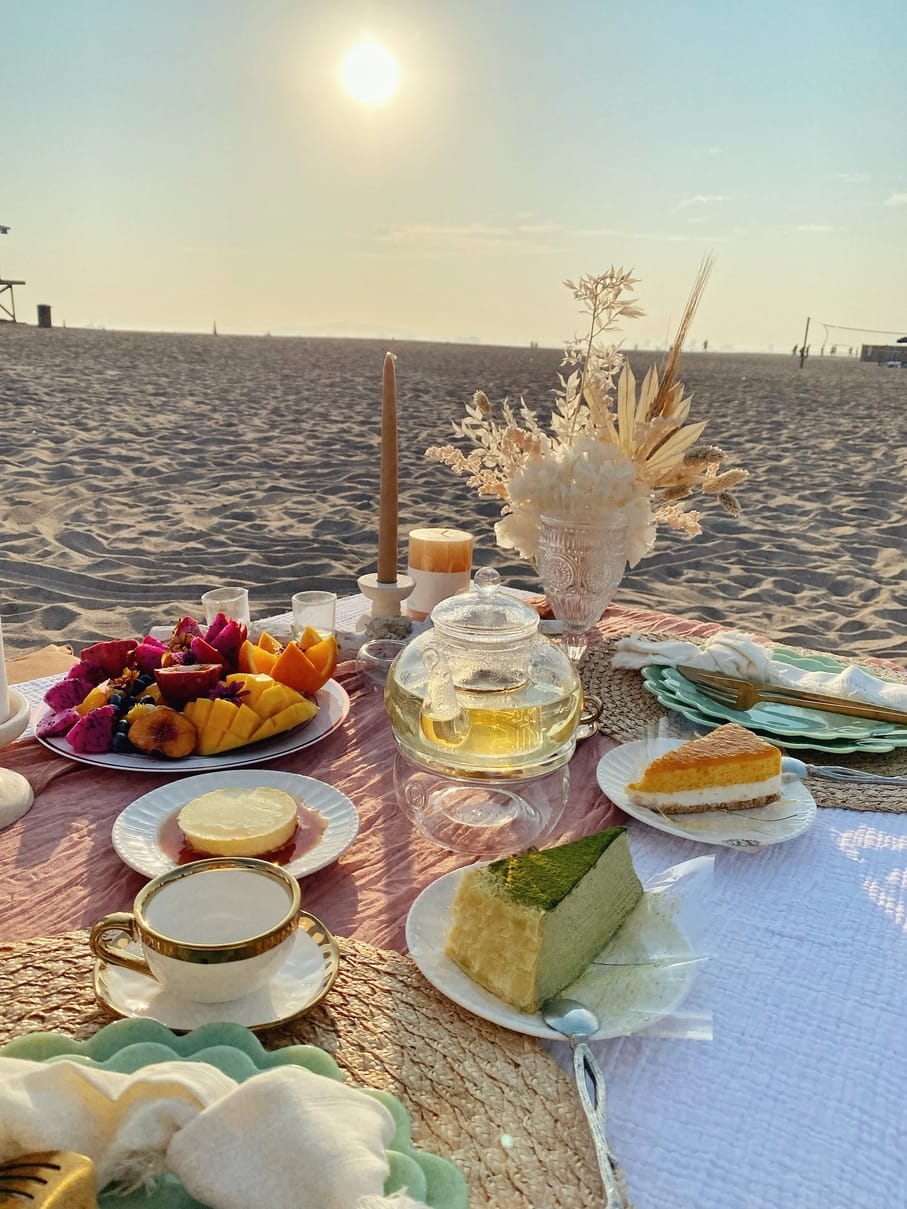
x=578 y=1024
x=796 y=769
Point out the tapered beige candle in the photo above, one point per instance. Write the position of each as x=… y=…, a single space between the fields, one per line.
x=387 y=508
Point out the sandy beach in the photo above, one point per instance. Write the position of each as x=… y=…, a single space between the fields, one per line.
x=141 y=469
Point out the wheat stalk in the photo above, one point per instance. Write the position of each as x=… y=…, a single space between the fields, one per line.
x=669 y=372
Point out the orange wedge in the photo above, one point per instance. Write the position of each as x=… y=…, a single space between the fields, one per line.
x=308 y=638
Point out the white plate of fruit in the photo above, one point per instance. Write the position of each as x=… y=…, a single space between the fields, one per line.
x=197 y=699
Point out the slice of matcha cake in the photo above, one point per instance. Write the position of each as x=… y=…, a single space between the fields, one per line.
x=525 y=927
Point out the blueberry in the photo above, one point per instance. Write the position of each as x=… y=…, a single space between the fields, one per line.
x=122 y=727
x=144 y=681
x=117 y=700
x=121 y=745
x=147 y=701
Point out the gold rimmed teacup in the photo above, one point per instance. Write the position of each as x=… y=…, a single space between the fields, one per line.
x=211 y=931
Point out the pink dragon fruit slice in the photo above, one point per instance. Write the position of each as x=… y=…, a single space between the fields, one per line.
x=148 y=654
x=55 y=723
x=67 y=692
x=87 y=671
x=93 y=733
x=215 y=627
x=112 y=656
x=228 y=641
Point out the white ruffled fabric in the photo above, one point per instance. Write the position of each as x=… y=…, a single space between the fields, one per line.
x=735 y=653
x=284 y=1137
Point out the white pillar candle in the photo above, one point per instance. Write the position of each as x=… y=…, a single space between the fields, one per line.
x=4 y=682
x=440 y=564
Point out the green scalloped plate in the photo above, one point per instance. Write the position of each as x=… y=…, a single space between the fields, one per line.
x=788 y=726
x=129 y=1045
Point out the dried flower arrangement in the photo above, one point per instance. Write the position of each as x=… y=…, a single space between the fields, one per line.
x=611 y=452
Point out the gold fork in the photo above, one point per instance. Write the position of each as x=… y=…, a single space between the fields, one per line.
x=741 y=695
x=51 y=1179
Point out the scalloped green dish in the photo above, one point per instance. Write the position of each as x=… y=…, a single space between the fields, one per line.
x=787 y=726
x=128 y=1045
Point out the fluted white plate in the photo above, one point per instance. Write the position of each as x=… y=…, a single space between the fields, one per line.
x=755 y=827
x=333 y=706
x=137 y=829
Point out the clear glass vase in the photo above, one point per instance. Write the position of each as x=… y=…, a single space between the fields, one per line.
x=580 y=564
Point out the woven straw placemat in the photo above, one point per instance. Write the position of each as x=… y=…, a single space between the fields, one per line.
x=628 y=708
x=493 y=1102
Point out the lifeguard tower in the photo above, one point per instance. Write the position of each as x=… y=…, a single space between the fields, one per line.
x=8 y=305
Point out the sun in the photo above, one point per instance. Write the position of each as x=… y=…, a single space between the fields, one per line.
x=370 y=73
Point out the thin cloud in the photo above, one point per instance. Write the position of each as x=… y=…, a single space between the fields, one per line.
x=815 y=228
x=704 y=199
x=852 y=178
x=896 y=199
x=598 y=233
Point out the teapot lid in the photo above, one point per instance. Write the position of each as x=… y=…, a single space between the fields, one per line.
x=486 y=614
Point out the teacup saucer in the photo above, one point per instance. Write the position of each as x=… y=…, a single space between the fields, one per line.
x=303 y=980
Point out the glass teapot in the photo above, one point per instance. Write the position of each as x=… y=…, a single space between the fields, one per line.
x=482 y=692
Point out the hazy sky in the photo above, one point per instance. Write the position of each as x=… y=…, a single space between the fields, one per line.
x=168 y=163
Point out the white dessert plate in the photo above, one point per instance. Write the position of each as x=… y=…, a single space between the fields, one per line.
x=333 y=707
x=303 y=980
x=147 y=839
x=643 y=974
x=790 y=816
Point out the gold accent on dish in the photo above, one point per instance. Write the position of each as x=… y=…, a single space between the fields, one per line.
x=307 y=923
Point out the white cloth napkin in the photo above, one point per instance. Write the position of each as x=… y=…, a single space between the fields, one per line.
x=735 y=653
x=283 y=1138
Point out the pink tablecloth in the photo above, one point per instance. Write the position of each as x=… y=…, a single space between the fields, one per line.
x=58 y=869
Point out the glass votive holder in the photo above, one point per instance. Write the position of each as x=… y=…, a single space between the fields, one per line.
x=374 y=659
x=484 y=817
x=233 y=602
x=314 y=610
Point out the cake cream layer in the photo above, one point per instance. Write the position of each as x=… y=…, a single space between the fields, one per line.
x=745 y=793
x=527 y=926
x=238 y=821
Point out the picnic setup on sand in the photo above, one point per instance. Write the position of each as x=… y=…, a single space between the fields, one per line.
x=444 y=894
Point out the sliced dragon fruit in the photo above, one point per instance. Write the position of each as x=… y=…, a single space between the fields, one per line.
x=57 y=722
x=87 y=671
x=93 y=733
x=185 y=628
x=66 y=693
x=112 y=656
x=215 y=627
x=228 y=641
x=148 y=654
x=203 y=652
